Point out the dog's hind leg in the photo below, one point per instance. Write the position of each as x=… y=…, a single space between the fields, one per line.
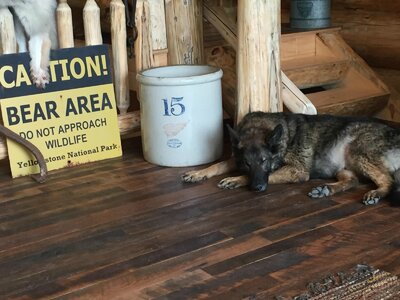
x=346 y=180
x=380 y=177
x=289 y=174
x=213 y=170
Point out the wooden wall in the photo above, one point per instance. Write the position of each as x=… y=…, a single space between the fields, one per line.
x=371 y=27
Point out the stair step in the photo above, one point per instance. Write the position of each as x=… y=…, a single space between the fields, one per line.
x=308 y=62
x=315 y=70
x=356 y=95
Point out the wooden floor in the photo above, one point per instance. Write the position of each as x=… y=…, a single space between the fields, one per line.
x=126 y=229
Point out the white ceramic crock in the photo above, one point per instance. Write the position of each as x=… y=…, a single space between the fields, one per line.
x=181 y=115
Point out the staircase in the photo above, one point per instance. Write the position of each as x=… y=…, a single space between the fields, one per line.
x=332 y=76
x=327 y=72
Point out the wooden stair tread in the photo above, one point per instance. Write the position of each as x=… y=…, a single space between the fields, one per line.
x=310 y=61
x=315 y=70
x=342 y=95
x=356 y=95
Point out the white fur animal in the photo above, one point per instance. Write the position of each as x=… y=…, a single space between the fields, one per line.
x=36 y=31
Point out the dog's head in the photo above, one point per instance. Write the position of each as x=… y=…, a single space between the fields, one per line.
x=257 y=155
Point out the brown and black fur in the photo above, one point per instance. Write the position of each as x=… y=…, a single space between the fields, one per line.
x=287 y=148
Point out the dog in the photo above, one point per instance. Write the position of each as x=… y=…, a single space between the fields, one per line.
x=272 y=148
x=35 y=30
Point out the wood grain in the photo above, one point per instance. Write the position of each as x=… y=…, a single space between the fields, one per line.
x=184 y=24
x=258 y=49
x=120 y=55
x=8 y=43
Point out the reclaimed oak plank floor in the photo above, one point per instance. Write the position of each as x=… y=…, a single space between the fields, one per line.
x=126 y=229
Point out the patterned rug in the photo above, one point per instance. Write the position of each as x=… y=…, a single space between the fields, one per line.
x=362 y=283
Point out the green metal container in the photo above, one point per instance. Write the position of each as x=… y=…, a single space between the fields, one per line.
x=309 y=14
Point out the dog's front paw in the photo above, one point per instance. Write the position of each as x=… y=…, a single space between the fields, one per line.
x=193 y=176
x=40 y=77
x=232 y=182
x=372 y=197
x=320 y=192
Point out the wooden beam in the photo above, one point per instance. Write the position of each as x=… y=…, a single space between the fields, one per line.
x=150 y=47
x=143 y=45
x=184 y=20
x=159 y=33
x=158 y=29
x=258 y=57
x=8 y=42
x=222 y=22
x=292 y=97
x=120 y=55
x=151 y=44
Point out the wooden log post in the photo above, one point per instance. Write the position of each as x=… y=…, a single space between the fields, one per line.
x=143 y=46
x=91 y=23
x=151 y=45
x=184 y=20
x=292 y=97
x=258 y=57
x=64 y=25
x=158 y=33
x=8 y=42
x=120 y=55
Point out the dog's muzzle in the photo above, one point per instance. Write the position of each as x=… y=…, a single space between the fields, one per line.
x=260 y=187
x=259 y=181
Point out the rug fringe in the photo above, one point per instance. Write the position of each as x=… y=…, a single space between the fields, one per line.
x=363 y=281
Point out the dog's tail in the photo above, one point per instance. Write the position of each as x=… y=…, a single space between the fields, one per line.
x=394 y=196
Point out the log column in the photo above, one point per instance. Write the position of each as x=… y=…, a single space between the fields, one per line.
x=143 y=45
x=184 y=21
x=120 y=55
x=258 y=58
x=91 y=23
x=8 y=42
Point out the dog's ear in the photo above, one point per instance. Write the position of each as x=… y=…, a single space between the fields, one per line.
x=235 y=140
x=276 y=135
